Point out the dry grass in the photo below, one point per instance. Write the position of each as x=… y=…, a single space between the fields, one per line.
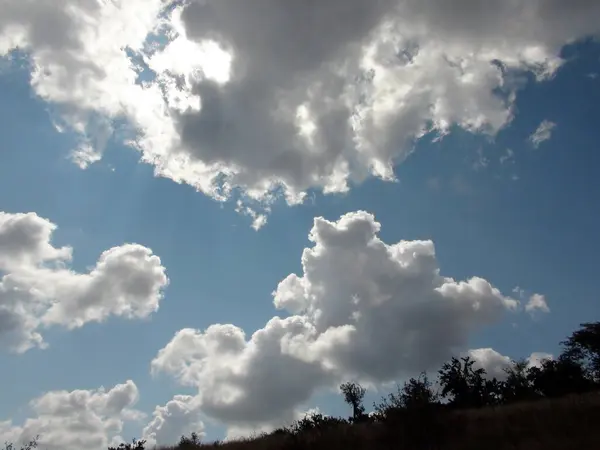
x=562 y=424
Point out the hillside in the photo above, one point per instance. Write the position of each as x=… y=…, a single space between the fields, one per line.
x=572 y=422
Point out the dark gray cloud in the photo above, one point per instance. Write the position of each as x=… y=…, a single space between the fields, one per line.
x=275 y=96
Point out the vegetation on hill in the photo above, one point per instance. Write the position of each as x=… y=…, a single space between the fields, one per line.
x=555 y=405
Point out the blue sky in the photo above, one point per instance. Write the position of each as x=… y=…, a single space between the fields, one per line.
x=525 y=217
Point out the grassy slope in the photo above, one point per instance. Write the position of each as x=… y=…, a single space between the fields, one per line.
x=567 y=423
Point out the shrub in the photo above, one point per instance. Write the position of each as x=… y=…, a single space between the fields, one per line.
x=135 y=445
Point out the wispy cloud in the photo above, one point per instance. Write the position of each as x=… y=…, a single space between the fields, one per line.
x=508 y=157
x=481 y=162
x=543 y=133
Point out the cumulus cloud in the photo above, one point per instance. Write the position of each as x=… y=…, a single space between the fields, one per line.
x=237 y=432
x=495 y=364
x=37 y=289
x=361 y=308
x=77 y=419
x=276 y=98
x=536 y=358
x=492 y=361
x=179 y=417
x=542 y=133
x=25 y=241
x=537 y=304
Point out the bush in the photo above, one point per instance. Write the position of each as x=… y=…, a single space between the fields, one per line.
x=416 y=393
x=29 y=446
x=193 y=441
x=135 y=445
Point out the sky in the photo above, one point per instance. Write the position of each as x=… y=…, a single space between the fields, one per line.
x=214 y=212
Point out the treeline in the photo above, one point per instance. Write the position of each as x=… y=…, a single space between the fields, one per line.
x=426 y=413
x=422 y=410
x=460 y=385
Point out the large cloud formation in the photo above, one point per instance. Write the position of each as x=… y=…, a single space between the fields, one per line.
x=38 y=290
x=273 y=96
x=362 y=309
x=91 y=419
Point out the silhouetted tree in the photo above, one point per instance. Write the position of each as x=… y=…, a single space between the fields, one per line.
x=555 y=378
x=354 y=394
x=314 y=422
x=135 y=445
x=492 y=394
x=467 y=387
x=583 y=346
x=192 y=441
x=412 y=415
x=518 y=386
x=416 y=393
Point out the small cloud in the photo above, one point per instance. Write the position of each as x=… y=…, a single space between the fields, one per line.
x=518 y=291
x=508 y=157
x=481 y=162
x=536 y=358
x=537 y=303
x=85 y=155
x=543 y=133
x=258 y=220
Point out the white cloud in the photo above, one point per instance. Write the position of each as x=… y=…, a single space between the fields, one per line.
x=237 y=432
x=481 y=162
x=93 y=141
x=278 y=97
x=90 y=419
x=361 y=309
x=258 y=220
x=37 y=289
x=25 y=241
x=495 y=363
x=536 y=358
x=179 y=417
x=9 y=432
x=542 y=133
x=78 y=50
x=508 y=157
x=537 y=303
